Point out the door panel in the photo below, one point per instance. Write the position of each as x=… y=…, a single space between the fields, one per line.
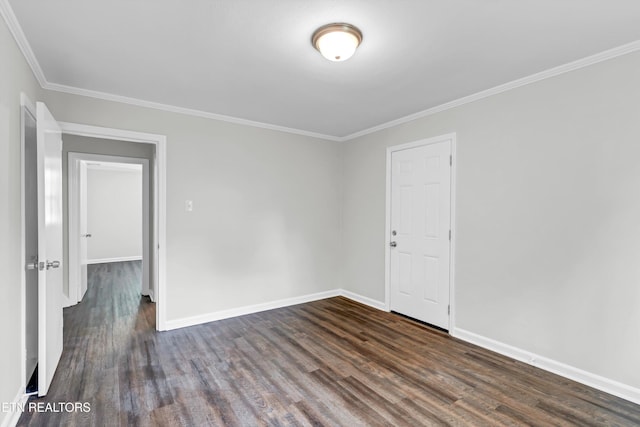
x=50 y=301
x=420 y=219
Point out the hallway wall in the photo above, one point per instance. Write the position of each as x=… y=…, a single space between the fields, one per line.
x=114 y=213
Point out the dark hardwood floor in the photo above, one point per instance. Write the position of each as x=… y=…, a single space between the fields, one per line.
x=330 y=362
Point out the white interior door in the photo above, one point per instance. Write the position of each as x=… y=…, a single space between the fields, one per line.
x=49 y=246
x=420 y=223
x=84 y=234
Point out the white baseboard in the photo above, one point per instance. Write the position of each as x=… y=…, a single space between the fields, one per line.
x=118 y=259
x=249 y=309
x=66 y=301
x=607 y=385
x=11 y=418
x=363 y=300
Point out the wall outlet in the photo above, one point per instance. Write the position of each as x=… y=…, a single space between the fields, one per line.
x=188 y=205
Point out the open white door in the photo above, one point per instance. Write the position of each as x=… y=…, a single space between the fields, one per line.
x=50 y=266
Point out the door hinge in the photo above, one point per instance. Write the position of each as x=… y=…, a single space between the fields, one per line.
x=451 y=160
x=449 y=235
x=448 y=309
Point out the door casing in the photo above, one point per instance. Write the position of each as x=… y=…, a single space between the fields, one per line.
x=387 y=240
x=160 y=200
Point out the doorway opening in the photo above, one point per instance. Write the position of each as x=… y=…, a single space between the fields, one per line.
x=104 y=139
x=109 y=212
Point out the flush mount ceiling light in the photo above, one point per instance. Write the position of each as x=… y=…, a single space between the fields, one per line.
x=337 y=42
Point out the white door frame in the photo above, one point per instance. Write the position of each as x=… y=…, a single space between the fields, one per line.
x=74 y=199
x=387 y=231
x=160 y=204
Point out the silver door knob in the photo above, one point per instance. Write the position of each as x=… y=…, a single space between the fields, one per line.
x=86 y=235
x=393 y=244
x=53 y=264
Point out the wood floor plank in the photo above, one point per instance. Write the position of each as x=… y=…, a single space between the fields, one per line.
x=332 y=362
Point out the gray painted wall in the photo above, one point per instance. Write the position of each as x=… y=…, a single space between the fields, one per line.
x=266 y=219
x=548 y=209
x=15 y=77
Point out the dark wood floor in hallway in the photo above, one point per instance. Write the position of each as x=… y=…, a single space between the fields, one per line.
x=331 y=362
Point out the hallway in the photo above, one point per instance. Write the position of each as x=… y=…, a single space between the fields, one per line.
x=99 y=334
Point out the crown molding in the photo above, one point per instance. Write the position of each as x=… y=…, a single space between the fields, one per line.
x=16 y=30
x=181 y=110
x=552 y=72
x=543 y=75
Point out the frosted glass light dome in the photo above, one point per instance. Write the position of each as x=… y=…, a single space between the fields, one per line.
x=337 y=42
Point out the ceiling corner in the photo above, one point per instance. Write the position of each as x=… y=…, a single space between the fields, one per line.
x=16 y=30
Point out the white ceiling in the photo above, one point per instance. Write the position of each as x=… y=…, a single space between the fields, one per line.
x=253 y=60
